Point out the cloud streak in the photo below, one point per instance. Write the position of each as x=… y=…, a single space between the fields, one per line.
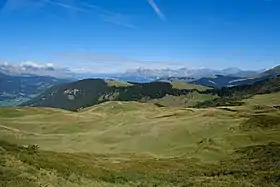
x=105 y=15
x=156 y=9
x=117 y=19
x=112 y=17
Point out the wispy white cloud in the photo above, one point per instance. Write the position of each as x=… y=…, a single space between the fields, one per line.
x=117 y=19
x=156 y=9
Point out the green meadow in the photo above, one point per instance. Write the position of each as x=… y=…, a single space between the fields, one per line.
x=139 y=144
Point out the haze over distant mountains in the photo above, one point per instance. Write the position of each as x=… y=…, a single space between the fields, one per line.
x=31 y=68
x=186 y=72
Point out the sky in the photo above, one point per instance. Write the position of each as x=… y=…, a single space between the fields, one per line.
x=115 y=35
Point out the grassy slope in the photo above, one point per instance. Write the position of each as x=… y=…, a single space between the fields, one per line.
x=248 y=166
x=188 y=100
x=272 y=99
x=118 y=127
x=116 y=83
x=125 y=127
x=233 y=96
x=145 y=145
x=188 y=86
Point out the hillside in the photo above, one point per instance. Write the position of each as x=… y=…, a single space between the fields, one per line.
x=29 y=166
x=234 y=95
x=275 y=71
x=115 y=127
x=89 y=92
x=219 y=81
x=16 y=89
x=130 y=143
x=138 y=144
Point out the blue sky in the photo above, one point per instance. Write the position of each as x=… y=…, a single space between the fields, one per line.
x=114 y=35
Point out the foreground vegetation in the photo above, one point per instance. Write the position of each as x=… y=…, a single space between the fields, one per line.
x=27 y=166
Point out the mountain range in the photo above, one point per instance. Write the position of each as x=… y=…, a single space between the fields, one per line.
x=219 y=81
x=19 y=83
x=193 y=73
x=134 y=75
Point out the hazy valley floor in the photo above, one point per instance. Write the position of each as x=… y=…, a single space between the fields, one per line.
x=137 y=144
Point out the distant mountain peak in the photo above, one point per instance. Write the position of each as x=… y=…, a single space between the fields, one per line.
x=188 y=72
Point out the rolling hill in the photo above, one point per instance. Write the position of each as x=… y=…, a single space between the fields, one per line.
x=138 y=144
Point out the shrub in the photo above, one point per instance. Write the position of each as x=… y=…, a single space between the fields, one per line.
x=32 y=149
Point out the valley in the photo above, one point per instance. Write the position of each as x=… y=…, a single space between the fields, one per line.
x=16 y=89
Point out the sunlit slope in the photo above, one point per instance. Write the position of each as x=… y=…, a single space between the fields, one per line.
x=132 y=127
x=186 y=100
x=139 y=144
x=233 y=96
x=272 y=99
x=189 y=100
x=188 y=86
